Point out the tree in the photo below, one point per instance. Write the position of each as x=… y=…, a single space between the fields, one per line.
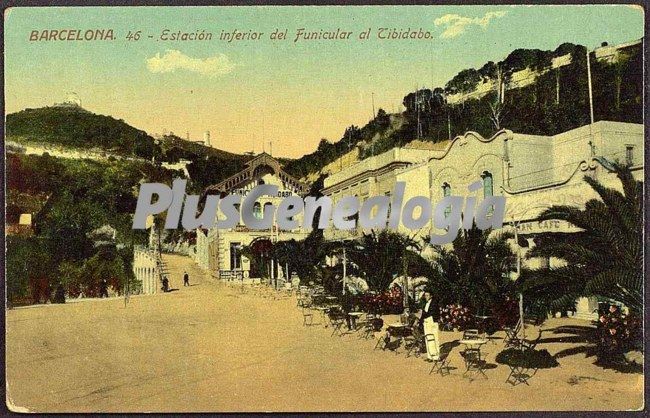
x=381 y=256
x=473 y=272
x=497 y=111
x=605 y=259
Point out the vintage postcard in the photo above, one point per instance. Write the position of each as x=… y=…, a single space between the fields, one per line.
x=319 y=208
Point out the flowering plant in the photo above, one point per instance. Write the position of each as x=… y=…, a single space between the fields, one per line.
x=617 y=333
x=389 y=302
x=455 y=316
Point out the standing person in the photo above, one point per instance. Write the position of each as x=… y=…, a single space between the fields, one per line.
x=429 y=322
x=346 y=304
x=165 y=283
x=103 y=289
x=59 y=295
x=186 y=279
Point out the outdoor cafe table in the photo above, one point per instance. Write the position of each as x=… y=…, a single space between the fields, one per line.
x=323 y=311
x=355 y=315
x=474 y=364
x=395 y=329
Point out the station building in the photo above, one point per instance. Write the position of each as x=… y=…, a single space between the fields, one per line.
x=533 y=172
x=219 y=251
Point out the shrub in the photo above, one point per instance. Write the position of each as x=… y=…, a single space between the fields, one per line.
x=389 y=302
x=617 y=334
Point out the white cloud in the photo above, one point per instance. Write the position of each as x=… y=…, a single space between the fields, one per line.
x=456 y=25
x=174 y=60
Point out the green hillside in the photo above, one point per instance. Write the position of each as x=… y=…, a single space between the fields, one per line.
x=76 y=128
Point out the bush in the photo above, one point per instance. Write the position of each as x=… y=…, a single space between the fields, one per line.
x=617 y=334
x=384 y=303
x=506 y=314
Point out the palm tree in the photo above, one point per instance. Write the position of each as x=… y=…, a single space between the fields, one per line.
x=605 y=259
x=383 y=255
x=473 y=272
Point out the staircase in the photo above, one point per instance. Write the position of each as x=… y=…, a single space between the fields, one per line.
x=176 y=265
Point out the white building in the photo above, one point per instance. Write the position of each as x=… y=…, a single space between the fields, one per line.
x=532 y=172
x=219 y=250
x=376 y=176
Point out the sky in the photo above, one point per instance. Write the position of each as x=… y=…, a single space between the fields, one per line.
x=250 y=93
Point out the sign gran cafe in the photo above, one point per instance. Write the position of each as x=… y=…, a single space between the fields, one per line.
x=550 y=225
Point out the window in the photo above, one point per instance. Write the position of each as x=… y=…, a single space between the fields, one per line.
x=235 y=255
x=257 y=210
x=488 y=189
x=238 y=208
x=487 y=185
x=267 y=204
x=446 y=191
x=629 y=155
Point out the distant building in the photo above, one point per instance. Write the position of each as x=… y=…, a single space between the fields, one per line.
x=72 y=101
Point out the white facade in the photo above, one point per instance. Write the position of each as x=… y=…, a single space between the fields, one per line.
x=146 y=270
x=532 y=172
x=376 y=176
x=219 y=250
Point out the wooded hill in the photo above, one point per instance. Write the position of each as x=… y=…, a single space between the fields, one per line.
x=76 y=128
x=556 y=101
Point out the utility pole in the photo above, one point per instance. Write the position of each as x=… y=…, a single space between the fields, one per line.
x=591 y=99
x=591 y=108
x=374 y=115
x=417 y=104
x=406 y=287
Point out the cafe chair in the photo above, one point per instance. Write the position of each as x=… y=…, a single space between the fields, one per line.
x=371 y=326
x=307 y=317
x=337 y=319
x=414 y=343
x=441 y=363
x=512 y=336
x=471 y=334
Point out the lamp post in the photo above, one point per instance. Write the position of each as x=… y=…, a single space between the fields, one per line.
x=406 y=287
x=345 y=271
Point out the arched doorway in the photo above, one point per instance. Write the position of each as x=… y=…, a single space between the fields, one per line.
x=260 y=256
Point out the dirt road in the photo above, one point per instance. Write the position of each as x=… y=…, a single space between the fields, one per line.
x=210 y=347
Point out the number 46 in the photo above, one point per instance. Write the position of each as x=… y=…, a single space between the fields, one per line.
x=133 y=36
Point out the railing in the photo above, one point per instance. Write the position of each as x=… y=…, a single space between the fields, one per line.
x=231 y=274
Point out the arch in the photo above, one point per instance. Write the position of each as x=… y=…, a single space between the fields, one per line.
x=262 y=170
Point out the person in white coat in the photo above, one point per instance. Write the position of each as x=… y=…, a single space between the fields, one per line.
x=429 y=322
